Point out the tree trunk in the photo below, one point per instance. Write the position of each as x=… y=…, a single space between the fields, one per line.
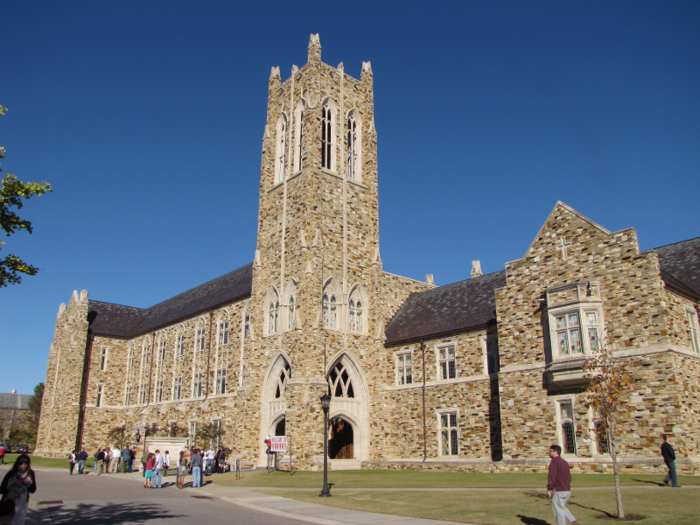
x=616 y=469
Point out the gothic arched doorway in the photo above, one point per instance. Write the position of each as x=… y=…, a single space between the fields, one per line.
x=279 y=428
x=340 y=444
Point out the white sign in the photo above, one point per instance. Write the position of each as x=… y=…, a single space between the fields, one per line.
x=278 y=444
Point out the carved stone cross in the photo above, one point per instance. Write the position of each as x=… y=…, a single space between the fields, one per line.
x=564 y=245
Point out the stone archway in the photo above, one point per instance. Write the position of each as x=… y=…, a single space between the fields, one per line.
x=280 y=427
x=349 y=411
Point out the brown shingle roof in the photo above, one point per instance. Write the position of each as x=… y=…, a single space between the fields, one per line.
x=681 y=261
x=448 y=309
x=125 y=321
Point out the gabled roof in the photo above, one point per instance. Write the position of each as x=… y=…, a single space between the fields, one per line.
x=125 y=321
x=14 y=401
x=448 y=309
x=680 y=265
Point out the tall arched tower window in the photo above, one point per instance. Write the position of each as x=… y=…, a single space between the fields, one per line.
x=298 y=135
x=354 y=146
x=272 y=311
x=281 y=149
x=330 y=310
x=328 y=135
x=357 y=310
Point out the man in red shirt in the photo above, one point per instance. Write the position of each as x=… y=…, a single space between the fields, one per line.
x=559 y=486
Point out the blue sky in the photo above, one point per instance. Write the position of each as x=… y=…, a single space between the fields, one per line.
x=147 y=119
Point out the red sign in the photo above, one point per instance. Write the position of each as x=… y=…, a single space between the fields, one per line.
x=278 y=444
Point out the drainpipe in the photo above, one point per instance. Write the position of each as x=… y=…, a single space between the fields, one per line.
x=425 y=450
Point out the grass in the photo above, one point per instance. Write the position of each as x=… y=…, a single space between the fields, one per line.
x=366 y=479
x=660 y=507
x=40 y=462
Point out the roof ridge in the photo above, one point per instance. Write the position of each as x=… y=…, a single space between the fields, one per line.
x=673 y=243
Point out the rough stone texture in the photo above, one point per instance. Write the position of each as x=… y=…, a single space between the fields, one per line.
x=318 y=234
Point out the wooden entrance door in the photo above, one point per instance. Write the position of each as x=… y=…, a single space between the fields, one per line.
x=340 y=446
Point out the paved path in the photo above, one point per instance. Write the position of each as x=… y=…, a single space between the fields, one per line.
x=120 y=499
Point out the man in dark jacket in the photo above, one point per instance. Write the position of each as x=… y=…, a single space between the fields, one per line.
x=559 y=486
x=670 y=460
x=126 y=459
x=82 y=458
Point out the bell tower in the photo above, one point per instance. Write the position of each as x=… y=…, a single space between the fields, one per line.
x=317 y=260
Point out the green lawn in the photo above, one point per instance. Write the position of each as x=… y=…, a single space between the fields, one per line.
x=40 y=462
x=364 y=479
x=660 y=507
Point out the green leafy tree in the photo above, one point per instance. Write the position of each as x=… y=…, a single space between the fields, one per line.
x=12 y=195
x=607 y=396
x=209 y=435
x=35 y=405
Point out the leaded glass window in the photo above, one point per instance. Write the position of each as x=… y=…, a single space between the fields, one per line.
x=447 y=362
x=404 y=364
x=449 y=434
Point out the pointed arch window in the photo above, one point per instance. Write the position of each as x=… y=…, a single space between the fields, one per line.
x=290 y=321
x=330 y=311
x=357 y=306
x=340 y=383
x=273 y=316
x=282 y=379
x=327 y=136
x=354 y=146
x=281 y=146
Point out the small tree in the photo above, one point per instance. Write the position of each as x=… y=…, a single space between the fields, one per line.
x=35 y=405
x=175 y=430
x=607 y=395
x=119 y=436
x=209 y=435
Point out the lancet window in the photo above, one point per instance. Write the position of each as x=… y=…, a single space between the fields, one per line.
x=354 y=146
x=327 y=136
x=281 y=146
x=298 y=135
x=284 y=376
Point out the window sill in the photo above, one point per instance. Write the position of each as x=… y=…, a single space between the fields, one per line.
x=331 y=173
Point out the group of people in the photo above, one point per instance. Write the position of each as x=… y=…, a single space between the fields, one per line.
x=196 y=462
x=155 y=467
x=107 y=460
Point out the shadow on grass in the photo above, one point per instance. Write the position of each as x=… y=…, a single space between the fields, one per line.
x=527 y=520
x=657 y=483
x=90 y=514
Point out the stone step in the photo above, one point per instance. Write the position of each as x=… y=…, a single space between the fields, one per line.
x=345 y=464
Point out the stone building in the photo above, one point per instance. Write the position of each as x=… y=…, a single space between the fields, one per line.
x=482 y=374
x=12 y=407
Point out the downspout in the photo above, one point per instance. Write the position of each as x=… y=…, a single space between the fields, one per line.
x=425 y=450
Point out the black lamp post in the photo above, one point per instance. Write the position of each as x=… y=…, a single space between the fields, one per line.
x=326 y=404
x=138 y=436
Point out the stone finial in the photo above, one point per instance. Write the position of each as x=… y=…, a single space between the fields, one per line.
x=429 y=279
x=366 y=71
x=257 y=258
x=275 y=74
x=74 y=298
x=309 y=267
x=83 y=295
x=294 y=69
x=476 y=269
x=61 y=308
x=317 y=239
x=341 y=67
x=314 y=48
x=302 y=238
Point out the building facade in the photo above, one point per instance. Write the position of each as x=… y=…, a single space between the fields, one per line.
x=483 y=374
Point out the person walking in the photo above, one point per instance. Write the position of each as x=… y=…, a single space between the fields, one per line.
x=181 y=469
x=16 y=486
x=126 y=459
x=670 y=459
x=166 y=463
x=71 y=460
x=149 y=470
x=559 y=486
x=82 y=458
x=196 y=469
x=3 y=450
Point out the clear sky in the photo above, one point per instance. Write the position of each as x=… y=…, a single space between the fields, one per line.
x=147 y=119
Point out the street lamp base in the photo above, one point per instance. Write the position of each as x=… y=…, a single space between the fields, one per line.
x=325 y=493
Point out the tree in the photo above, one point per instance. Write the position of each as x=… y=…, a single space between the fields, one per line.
x=35 y=405
x=209 y=435
x=607 y=396
x=119 y=436
x=176 y=430
x=12 y=194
